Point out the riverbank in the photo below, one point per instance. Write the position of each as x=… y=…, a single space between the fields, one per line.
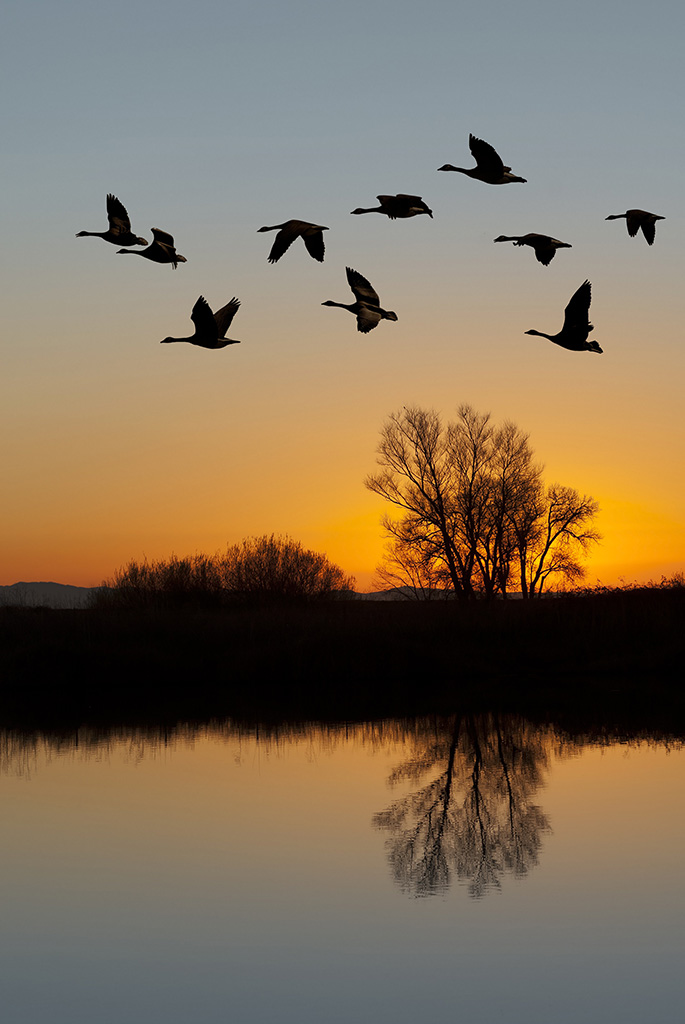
x=342 y=659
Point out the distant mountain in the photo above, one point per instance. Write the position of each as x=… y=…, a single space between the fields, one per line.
x=63 y=595
x=393 y=594
x=45 y=595
x=407 y=594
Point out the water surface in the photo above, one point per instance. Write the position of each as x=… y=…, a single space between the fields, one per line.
x=473 y=869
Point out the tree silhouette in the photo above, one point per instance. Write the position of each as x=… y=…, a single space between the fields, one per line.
x=476 y=516
x=475 y=818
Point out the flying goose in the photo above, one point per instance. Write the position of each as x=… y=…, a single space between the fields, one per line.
x=489 y=167
x=398 y=206
x=119 y=232
x=367 y=308
x=636 y=219
x=573 y=335
x=210 y=328
x=544 y=246
x=287 y=233
x=161 y=250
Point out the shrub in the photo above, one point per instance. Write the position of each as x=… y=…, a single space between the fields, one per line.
x=274 y=567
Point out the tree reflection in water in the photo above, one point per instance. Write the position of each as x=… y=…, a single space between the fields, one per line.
x=475 y=818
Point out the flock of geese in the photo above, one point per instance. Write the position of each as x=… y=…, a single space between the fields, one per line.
x=210 y=328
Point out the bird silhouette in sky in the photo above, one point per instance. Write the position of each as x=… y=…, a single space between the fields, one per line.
x=544 y=246
x=161 y=250
x=398 y=206
x=119 y=232
x=210 y=328
x=367 y=307
x=489 y=167
x=311 y=235
x=636 y=219
x=577 y=326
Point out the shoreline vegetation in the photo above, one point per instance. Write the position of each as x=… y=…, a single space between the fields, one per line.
x=607 y=651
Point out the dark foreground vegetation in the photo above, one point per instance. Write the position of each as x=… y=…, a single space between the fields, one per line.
x=342 y=658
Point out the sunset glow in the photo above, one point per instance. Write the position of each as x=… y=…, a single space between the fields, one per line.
x=212 y=122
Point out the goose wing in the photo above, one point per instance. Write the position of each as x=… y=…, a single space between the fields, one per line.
x=544 y=249
x=410 y=203
x=410 y=200
x=576 y=314
x=392 y=205
x=367 y=318
x=163 y=237
x=206 y=327
x=544 y=254
x=283 y=240
x=313 y=241
x=649 y=230
x=486 y=157
x=119 y=222
x=634 y=220
x=363 y=291
x=389 y=203
x=224 y=316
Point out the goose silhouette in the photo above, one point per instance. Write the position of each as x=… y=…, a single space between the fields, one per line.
x=544 y=245
x=210 y=328
x=311 y=234
x=573 y=335
x=636 y=219
x=119 y=232
x=489 y=167
x=398 y=206
x=367 y=308
x=161 y=250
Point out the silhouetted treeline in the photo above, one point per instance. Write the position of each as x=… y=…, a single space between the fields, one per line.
x=270 y=567
x=343 y=659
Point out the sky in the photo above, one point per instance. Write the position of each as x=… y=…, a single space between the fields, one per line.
x=209 y=121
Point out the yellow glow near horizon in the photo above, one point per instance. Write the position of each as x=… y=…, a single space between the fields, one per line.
x=130 y=450
x=640 y=543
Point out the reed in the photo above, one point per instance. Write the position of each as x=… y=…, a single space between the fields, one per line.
x=342 y=658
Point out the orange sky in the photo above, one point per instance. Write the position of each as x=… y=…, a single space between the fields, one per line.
x=114 y=447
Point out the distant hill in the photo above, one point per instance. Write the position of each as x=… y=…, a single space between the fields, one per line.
x=392 y=594
x=63 y=595
x=45 y=595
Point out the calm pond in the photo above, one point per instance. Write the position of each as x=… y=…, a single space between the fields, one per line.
x=471 y=869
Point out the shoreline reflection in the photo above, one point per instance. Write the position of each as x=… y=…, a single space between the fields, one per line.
x=468 y=783
x=474 y=817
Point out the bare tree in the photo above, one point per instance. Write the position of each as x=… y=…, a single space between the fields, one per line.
x=475 y=510
x=418 y=476
x=411 y=565
x=552 y=541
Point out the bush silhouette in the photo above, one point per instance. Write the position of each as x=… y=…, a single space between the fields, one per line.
x=272 y=567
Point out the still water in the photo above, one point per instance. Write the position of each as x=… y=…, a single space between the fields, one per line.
x=472 y=869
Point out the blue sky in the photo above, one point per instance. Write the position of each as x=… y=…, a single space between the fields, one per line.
x=209 y=121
